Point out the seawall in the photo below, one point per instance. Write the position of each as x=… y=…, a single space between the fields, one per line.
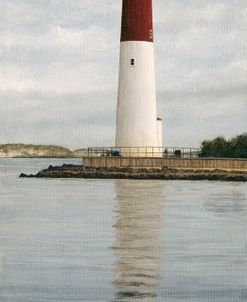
x=171 y=163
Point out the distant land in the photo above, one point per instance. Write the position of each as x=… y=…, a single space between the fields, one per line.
x=36 y=151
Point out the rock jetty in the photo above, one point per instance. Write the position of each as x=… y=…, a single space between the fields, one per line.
x=73 y=171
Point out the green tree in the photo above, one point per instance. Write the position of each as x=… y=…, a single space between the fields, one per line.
x=218 y=147
x=236 y=147
x=239 y=146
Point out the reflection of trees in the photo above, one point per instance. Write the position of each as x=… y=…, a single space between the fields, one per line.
x=137 y=244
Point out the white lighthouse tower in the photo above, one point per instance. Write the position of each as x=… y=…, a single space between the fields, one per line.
x=137 y=123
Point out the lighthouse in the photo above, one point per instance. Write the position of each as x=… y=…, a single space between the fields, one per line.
x=137 y=125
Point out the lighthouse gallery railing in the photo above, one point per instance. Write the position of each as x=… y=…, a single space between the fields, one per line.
x=171 y=152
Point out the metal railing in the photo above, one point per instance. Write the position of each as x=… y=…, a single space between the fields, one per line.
x=168 y=152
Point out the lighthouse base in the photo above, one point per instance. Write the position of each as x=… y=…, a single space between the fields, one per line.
x=150 y=152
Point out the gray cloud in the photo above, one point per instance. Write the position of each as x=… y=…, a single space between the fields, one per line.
x=59 y=70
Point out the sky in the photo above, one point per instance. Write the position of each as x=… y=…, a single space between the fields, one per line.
x=59 y=70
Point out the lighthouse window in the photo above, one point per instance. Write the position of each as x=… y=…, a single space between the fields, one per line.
x=132 y=62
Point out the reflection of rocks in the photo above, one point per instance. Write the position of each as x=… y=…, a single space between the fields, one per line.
x=137 y=245
x=234 y=203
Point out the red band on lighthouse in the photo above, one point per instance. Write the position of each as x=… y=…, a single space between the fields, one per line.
x=137 y=21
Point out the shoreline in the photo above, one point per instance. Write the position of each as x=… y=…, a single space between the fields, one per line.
x=39 y=157
x=79 y=171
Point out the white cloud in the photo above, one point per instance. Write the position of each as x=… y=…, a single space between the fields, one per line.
x=82 y=67
x=68 y=50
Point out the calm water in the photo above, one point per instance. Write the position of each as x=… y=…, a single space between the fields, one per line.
x=120 y=240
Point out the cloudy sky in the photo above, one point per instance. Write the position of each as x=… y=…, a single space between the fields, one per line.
x=59 y=70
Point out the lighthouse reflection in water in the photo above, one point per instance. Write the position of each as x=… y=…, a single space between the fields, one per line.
x=137 y=245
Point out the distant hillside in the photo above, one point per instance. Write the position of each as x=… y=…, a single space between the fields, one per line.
x=22 y=150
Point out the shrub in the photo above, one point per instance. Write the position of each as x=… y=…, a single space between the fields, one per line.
x=236 y=147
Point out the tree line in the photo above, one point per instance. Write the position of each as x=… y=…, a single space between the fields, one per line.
x=235 y=147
